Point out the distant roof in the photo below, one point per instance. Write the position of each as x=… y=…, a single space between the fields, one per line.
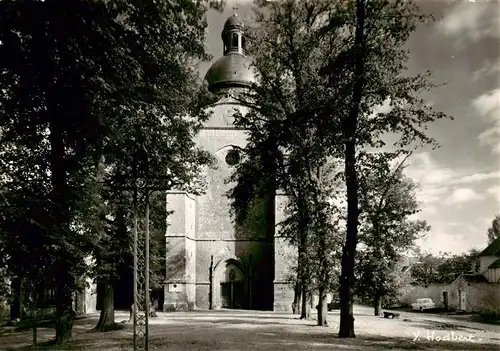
x=473 y=278
x=495 y=264
x=492 y=249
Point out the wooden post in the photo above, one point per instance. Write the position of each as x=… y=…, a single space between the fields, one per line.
x=146 y=271
x=250 y=282
x=134 y=306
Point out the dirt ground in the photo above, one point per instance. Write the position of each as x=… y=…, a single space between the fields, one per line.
x=249 y=331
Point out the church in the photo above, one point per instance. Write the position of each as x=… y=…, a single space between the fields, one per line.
x=211 y=261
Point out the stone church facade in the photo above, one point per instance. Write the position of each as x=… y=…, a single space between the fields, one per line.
x=211 y=262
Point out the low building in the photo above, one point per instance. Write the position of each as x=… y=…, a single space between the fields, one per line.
x=477 y=292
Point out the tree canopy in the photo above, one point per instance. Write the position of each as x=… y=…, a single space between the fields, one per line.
x=82 y=82
x=323 y=68
x=494 y=229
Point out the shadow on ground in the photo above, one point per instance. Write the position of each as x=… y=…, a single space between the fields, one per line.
x=229 y=334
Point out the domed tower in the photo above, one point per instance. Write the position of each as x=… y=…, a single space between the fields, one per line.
x=233 y=70
x=211 y=261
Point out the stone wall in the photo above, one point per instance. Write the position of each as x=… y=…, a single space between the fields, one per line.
x=480 y=297
x=222 y=251
x=180 y=292
x=214 y=235
x=433 y=291
x=90 y=296
x=484 y=298
x=284 y=257
x=213 y=209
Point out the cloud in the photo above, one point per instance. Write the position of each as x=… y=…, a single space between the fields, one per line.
x=461 y=195
x=471 y=21
x=437 y=182
x=450 y=195
x=431 y=178
x=491 y=138
x=488 y=107
x=477 y=177
x=453 y=238
x=489 y=69
x=423 y=169
x=495 y=192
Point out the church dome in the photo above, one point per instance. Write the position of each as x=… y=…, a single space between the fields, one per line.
x=233 y=70
x=230 y=71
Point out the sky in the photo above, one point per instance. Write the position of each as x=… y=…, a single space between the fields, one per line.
x=459 y=183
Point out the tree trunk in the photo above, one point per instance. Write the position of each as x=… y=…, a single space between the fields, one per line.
x=303 y=272
x=324 y=279
x=322 y=307
x=377 y=305
x=64 y=311
x=305 y=311
x=107 y=316
x=296 y=306
x=64 y=280
x=16 y=303
x=346 y=328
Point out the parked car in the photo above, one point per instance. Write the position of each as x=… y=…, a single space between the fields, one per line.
x=423 y=304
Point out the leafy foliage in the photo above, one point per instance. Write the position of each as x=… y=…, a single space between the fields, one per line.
x=494 y=230
x=287 y=127
x=83 y=80
x=443 y=268
x=387 y=202
x=323 y=68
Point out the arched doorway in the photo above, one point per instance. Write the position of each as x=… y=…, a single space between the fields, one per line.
x=231 y=281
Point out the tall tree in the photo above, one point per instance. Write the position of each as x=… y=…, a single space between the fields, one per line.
x=387 y=202
x=368 y=71
x=173 y=161
x=286 y=52
x=346 y=328
x=72 y=72
x=323 y=68
x=494 y=230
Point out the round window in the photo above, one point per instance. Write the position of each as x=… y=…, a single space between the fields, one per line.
x=233 y=157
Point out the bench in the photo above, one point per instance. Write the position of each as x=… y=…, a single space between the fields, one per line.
x=391 y=315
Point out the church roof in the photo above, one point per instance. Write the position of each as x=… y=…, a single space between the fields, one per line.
x=233 y=70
